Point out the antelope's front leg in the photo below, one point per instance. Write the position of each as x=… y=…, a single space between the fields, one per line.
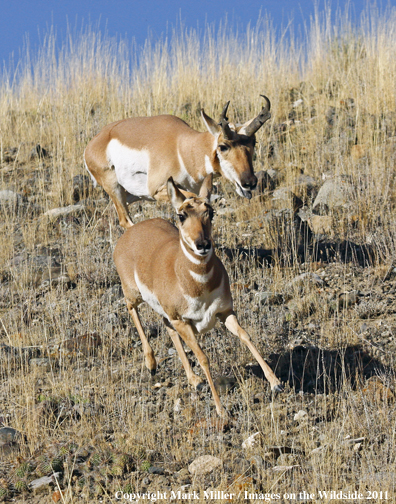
x=233 y=326
x=187 y=334
x=193 y=379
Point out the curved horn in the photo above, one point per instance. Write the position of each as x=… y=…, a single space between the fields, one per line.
x=258 y=121
x=224 y=123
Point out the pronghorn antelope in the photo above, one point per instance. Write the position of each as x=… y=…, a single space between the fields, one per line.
x=132 y=159
x=176 y=271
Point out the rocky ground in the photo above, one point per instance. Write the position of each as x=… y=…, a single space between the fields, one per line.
x=314 y=283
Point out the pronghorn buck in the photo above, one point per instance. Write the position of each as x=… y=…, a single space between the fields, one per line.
x=133 y=158
x=176 y=271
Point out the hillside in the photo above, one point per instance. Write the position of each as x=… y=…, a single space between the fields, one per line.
x=310 y=257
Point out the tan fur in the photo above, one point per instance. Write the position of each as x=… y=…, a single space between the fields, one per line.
x=167 y=138
x=151 y=263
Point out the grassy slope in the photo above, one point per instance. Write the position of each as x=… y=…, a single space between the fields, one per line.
x=60 y=100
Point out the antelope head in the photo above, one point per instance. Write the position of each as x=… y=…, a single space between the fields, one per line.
x=195 y=217
x=234 y=147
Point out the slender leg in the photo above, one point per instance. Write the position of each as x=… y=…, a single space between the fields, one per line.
x=193 y=379
x=232 y=325
x=151 y=364
x=187 y=334
x=119 y=198
x=118 y=195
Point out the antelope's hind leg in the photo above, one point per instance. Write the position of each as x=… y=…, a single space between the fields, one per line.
x=193 y=379
x=149 y=358
x=118 y=196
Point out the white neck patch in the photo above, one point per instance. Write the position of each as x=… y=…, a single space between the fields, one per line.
x=203 y=279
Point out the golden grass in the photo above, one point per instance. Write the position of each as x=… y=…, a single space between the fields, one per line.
x=60 y=98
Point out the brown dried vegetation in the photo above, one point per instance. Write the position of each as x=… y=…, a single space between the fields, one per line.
x=315 y=285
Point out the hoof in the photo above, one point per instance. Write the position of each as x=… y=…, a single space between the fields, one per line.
x=152 y=372
x=277 y=389
x=200 y=387
x=196 y=382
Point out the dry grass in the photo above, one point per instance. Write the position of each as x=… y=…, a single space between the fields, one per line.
x=104 y=404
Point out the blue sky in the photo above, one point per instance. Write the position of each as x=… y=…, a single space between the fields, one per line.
x=134 y=18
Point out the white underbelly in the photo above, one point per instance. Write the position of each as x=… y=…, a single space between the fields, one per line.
x=131 y=167
x=149 y=297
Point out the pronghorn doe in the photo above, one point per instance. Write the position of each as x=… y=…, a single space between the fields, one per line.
x=177 y=272
x=133 y=158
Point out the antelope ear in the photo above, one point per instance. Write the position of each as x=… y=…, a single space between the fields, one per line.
x=210 y=124
x=175 y=196
x=206 y=187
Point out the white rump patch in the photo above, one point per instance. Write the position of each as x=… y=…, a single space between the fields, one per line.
x=131 y=167
x=150 y=297
x=92 y=177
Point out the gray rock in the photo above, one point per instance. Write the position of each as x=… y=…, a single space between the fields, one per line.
x=346 y=299
x=300 y=415
x=335 y=193
x=9 y=198
x=8 y=435
x=41 y=362
x=204 y=464
x=42 y=483
x=178 y=406
x=252 y=441
x=55 y=276
x=284 y=198
x=321 y=224
x=156 y=470
x=307 y=278
x=54 y=213
x=264 y=182
x=269 y=298
x=9 y=438
x=287 y=459
x=383 y=479
x=284 y=468
x=305 y=186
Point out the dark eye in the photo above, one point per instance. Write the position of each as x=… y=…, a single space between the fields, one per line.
x=224 y=147
x=182 y=217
